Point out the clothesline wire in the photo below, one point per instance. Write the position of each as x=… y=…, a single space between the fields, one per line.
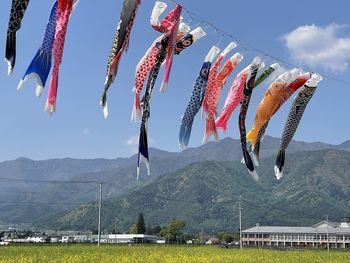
x=248 y=47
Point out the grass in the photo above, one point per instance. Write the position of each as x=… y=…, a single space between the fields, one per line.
x=162 y=253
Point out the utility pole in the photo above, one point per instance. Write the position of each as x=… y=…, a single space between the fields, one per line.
x=99 y=213
x=327 y=234
x=240 y=225
x=201 y=236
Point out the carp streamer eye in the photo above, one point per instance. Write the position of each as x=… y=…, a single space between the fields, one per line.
x=204 y=72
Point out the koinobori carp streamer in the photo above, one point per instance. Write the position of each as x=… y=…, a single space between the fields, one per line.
x=170 y=26
x=145 y=102
x=253 y=82
x=144 y=67
x=215 y=84
x=120 y=44
x=278 y=93
x=294 y=117
x=196 y=100
x=162 y=47
x=40 y=66
x=63 y=13
x=247 y=92
x=143 y=155
x=18 y=10
x=234 y=96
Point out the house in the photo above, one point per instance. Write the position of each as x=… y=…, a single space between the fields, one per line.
x=37 y=239
x=55 y=238
x=292 y=236
x=212 y=241
x=81 y=239
x=67 y=239
x=103 y=238
x=17 y=240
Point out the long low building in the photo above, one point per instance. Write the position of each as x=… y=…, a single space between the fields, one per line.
x=290 y=236
x=133 y=238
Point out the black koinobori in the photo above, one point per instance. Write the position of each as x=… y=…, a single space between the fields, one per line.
x=253 y=82
x=120 y=44
x=18 y=10
x=247 y=92
x=294 y=117
x=162 y=46
x=143 y=154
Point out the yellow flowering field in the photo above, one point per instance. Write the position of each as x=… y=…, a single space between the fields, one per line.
x=162 y=253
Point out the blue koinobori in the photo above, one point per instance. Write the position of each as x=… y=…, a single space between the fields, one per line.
x=196 y=100
x=40 y=66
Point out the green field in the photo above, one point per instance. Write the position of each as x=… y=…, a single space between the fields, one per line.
x=162 y=253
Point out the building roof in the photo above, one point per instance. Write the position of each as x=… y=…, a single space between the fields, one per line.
x=121 y=236
x=331 y=224
x=320 y=228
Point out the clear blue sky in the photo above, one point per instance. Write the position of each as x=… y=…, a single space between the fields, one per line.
x=78 y=128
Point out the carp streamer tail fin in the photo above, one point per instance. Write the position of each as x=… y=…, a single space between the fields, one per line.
x=256 y=153
x=249 y=164
x=279 y=164
x=10 y=54
x=222 y=121
x=184 y=136
x=39 y=69
x=210 y=129
x=136 y=109
x=51 y=99
x=103 y=103
x=252 y=137
x=143 y=155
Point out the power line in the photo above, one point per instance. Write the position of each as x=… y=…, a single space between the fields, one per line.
x=17 y=192
x=41 y=203
x=245 y=45
x=14 y=180
x=30 y=181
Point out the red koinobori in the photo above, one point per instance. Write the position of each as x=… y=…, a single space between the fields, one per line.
x=216 y=82
x=64 y=11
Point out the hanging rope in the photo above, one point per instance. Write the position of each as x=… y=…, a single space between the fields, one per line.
x=247 y=47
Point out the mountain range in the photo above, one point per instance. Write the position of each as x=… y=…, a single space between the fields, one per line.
x=205 y=194
x=200 y=185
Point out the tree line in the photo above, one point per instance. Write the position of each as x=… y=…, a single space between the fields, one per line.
x=173 y=232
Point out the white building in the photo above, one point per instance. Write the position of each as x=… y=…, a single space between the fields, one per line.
x=81 y=239
x=37 y=239
x=67 y=239
x=290 y=236
x=133 y=238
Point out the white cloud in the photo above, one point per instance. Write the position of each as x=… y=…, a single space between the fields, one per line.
x=319 y=47
x=134 y=140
